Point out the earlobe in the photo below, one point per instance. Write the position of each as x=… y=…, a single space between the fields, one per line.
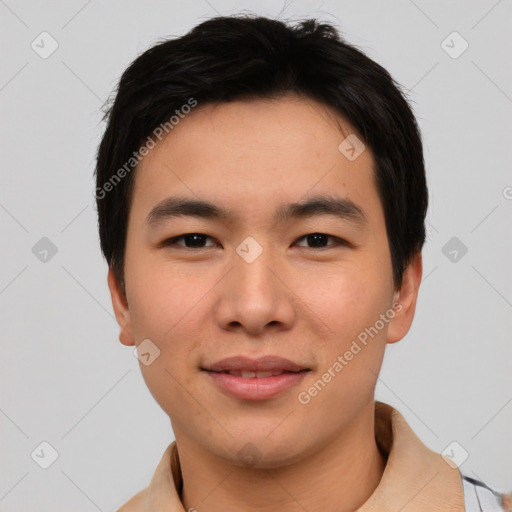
x=405 y=299
x=121 y=310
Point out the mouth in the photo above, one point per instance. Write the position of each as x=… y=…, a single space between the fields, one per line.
x=247 y=374
x=276 y=365
x=255 y=379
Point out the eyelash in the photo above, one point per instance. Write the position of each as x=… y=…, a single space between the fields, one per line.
x=338 y=241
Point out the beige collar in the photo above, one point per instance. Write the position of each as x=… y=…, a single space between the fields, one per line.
x=415 y=478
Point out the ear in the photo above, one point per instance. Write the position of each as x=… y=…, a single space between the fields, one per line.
x=405 y=298
x=121 y=310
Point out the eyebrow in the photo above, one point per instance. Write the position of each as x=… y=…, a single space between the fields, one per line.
x=173 y=207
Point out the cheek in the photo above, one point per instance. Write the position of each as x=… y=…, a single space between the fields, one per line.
x=165 y=297
x=350 y=359
x=346 y=300
x=350 y=304
x=166 y=311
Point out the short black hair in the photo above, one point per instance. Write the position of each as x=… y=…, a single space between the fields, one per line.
x=247 y=56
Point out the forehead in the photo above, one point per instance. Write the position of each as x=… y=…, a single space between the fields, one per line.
x=255 y=154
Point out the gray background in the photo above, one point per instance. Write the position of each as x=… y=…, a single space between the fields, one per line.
x=67 y=380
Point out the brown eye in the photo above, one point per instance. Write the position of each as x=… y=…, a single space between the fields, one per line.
x=320 y=240
x=189 y=241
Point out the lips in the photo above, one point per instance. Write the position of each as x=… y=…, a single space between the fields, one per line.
x=247 y=374
x=245 y=367
x=264 y=378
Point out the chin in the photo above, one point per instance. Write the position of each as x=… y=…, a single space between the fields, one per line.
x=261 y=452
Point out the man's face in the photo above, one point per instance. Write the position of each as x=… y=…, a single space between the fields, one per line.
x=253 y=284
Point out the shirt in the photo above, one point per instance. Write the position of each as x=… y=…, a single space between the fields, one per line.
x=415 y=478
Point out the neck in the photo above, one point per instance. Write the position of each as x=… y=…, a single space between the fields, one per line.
x=340 y=476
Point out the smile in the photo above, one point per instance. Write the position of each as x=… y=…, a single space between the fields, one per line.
x=261 y=385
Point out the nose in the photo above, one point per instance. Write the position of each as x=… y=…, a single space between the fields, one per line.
x=254 y=297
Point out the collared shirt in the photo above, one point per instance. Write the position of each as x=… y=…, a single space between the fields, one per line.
x=415 y=478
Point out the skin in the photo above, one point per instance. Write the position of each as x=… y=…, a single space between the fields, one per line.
x=200 y=305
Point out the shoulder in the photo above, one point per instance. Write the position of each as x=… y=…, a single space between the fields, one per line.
x=135 y=504
x=479 y=497
x=162 y=489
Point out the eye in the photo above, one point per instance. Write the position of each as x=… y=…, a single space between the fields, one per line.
x=319 y=240
x=199 y=241
x=190 y=241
